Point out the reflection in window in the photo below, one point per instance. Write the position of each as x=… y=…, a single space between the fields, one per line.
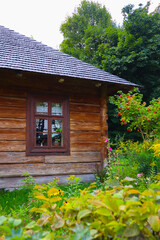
x=41 y=139
x=42 y=108
x=57 y=139
x=56 y=109
x=56 y=125
x=41 y=125
x=41 y=132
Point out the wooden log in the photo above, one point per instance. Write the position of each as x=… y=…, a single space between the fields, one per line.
x=85 y=126
x=8 y=91
x=12 y=102
x=80 y=98
x=12 y=112
x=85 y=136
x=12 y=123
x=104 y=127
x=75 y=157
x=40 y=169
x=12 y=134
x=85 y=146
x=85 y=117
x=12 y=182
x=19 y=157
x=74 y=107
x=12 y=146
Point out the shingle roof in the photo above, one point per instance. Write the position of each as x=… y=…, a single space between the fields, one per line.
x=23 y=53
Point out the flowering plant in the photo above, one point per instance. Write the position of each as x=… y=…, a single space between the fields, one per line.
x=135 y=113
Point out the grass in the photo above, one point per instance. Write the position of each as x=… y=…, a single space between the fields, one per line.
x=19 y=202
x=13 y=200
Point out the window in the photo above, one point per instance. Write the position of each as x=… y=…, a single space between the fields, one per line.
x=47 y=125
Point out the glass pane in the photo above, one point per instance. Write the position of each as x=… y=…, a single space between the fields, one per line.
x=42 y=107
x=41 y=139
x=56 y=109
x=41 y=125
x=57 y=126
x=57 y=140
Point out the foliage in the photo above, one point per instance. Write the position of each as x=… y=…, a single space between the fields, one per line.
x=136 y=56
x=136 y=114
x=156 y=148
x=11 y=228
x=131 y=51
x=84 y=32
x=138 y=158
x=116 y=212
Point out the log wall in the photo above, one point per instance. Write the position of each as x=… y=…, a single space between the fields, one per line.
x=87 y=124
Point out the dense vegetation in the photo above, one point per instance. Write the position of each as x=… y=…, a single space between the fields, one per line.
x=124 y=201
x=131 y=51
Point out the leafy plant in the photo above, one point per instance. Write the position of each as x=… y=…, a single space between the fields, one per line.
x=136 y=115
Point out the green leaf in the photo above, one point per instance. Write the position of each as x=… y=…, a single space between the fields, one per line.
x=31 y=225
x=5 y=229
x=17 y=222
x=58 y=222
x=2 y=219
x=103 y=211
x=154 y=222
x=83 y=213
x=131 y=231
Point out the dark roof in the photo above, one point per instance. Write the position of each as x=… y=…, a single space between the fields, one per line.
x=23 y=53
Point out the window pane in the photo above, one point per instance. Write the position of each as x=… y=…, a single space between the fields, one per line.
x=57 y=140
x=42 y=107
x=57 y=126
x=41 y=139
x=56 y=109
x=41 y=125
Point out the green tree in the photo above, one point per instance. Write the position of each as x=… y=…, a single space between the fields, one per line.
x=131 y=51
x=136 y=56
x=84 y=32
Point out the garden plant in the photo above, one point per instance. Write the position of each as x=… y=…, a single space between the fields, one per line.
x=123 y=202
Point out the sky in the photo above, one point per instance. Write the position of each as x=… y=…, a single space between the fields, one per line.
x=41 y=19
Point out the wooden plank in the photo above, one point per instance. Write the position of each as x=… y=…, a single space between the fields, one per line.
x=12 y=146
x=104 y=126
x=12 y=134
x=12 y=102
x=80 y=98
x=19 y=157
x=85 y=117
x=85 y=146
x=7 y=90
x=12 y=182
x=75 y=157
x=85 y=136
x=74 y=107
x=40 y=169
x=12 y=123
x=12 y=112
x=85 y=126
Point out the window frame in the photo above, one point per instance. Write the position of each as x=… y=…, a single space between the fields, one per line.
x=32 y=115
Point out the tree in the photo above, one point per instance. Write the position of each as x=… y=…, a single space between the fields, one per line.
x=136 y=56
x=131 y=51
x=84 y=32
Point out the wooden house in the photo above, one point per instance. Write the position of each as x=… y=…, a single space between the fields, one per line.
x=53 y=112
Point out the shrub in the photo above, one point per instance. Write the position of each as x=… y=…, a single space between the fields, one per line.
x=119 y=213
x=134 y=113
